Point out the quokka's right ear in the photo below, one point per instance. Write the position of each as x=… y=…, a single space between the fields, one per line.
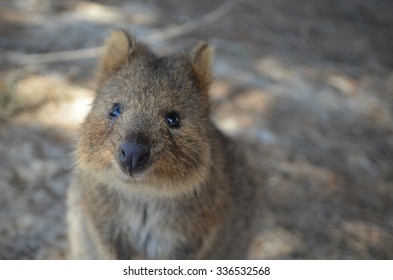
x=118 y=49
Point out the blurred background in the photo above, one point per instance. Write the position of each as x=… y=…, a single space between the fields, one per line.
x=306 y=85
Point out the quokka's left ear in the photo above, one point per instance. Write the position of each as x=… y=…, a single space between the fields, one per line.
x=202 y=57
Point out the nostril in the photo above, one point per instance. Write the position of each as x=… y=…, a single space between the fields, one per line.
x=141 y=156
x=124 y=154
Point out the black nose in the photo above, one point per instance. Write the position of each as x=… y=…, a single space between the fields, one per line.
x=133 y=155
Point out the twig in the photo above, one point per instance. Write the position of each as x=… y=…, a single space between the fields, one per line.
x=191 y=25
x=170 y=33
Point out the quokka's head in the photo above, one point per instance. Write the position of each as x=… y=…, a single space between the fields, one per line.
x=148 y=128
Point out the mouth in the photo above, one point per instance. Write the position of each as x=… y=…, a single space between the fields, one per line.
x=130 y=176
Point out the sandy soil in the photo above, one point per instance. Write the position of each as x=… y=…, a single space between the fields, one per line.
x=306 y=85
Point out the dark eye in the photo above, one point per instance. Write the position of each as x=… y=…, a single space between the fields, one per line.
x=173 y=120
x=115 y=111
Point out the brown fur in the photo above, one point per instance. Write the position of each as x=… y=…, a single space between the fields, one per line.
x=194 y=199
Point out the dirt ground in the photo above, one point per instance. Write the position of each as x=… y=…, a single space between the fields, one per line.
x=307 y=86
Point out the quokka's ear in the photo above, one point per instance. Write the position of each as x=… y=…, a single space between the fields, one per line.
x=202 y=60
x=119 y=47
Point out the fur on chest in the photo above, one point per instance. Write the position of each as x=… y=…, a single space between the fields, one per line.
x=147 y=231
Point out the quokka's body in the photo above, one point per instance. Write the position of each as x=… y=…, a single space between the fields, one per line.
x=154 y=178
